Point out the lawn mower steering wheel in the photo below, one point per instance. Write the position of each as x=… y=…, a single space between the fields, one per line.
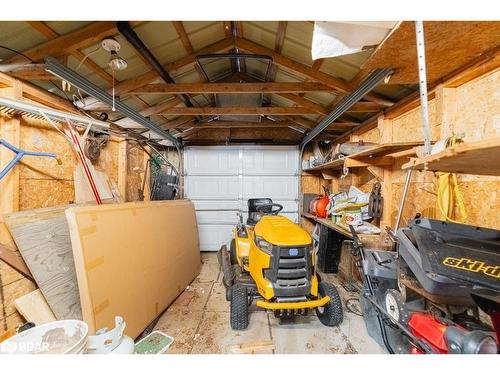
x=267 y=208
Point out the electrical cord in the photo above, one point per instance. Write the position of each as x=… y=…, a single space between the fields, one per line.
x=349 y=307
x=33 y=61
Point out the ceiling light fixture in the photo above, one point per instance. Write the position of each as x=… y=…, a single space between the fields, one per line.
x=115 y=61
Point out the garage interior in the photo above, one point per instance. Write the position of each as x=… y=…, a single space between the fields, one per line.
x=135 y=159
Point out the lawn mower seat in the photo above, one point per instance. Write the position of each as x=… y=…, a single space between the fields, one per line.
x=253 y=215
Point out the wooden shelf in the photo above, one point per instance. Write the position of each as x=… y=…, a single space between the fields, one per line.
x=374 y=156
x=328 y=223
x=481 y=157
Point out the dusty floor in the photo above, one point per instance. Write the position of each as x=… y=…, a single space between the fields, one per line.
x=199 y=322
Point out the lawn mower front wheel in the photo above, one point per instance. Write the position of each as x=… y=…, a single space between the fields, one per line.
x=239 y=307
x=331 y=314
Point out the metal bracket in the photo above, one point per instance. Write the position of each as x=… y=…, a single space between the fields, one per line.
x=422 y=80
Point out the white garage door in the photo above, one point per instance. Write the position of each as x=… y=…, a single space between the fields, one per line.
x=220 y=179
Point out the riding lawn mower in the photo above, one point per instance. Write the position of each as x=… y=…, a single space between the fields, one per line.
x=271 y=261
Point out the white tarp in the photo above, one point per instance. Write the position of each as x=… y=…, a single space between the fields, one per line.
x=332 y=39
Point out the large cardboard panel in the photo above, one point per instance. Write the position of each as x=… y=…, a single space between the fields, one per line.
x=132 y=259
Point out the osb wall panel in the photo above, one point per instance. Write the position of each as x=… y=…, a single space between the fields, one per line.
x=408 y=127
x=38 y=193
x=135 y=170
x=370 y=136
x=420 y=199
x=108 y=161
x=477 y=106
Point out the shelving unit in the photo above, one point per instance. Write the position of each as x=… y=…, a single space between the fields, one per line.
x=376 y=156
x=481 y=158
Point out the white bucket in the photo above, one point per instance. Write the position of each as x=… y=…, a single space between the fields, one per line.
x=60 y=337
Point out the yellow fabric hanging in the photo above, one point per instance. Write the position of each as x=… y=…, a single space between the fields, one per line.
x=449 y=193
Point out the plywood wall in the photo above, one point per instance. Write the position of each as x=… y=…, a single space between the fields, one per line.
x=471 y=110
x=44 y=183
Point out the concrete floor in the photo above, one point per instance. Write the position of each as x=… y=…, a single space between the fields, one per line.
x=199 y=323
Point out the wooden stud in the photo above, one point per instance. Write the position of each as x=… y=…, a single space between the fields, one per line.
x=80 y=38
x=10 y=130
x=122 y=169
x=231 y=88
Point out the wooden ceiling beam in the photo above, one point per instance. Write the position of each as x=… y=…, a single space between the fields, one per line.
x=237 y=111
x=317 y=64
x=183 y=36
x=280 y=36
x=337 y=84
x=174 y=124
x=154 y=110
x=244 y=124
x=358 y=107
x=47 y=31
x=64 y=44
x=316 y=108
x=231 y=88
x=128 y=85
x=278 y=46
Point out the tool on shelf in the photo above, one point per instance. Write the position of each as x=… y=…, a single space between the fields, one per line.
x=20 y=154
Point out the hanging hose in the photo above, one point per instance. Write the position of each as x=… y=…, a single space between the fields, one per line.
x=449 y=193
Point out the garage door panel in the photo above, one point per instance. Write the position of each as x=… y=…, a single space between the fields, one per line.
x=212 y=237
x=217 y=217
x=212 y=161
x=212 y=187
x=218 y=179
x=216 y=205
x=288 y=206
x=272 y=161
x=275 y=187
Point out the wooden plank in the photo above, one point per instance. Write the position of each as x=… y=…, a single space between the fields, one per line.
x=366 y=162
x=252 y=347
x=327 y=223
x=237 y=111
x=42 y=237
x=358 y=107
x=132 y=259
x=317 y=64
x=80 y=38
x=449 y=45
x=385 y=149
x=13 y=259
x=172 y=124
x=280 y=36
x=471 y=158
x=10 y=131
x=243 y=124
x=122 y=170
x=183 y=36
x=153 y=110
x=231 y=88
x=307 y=71
x=34 y=308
